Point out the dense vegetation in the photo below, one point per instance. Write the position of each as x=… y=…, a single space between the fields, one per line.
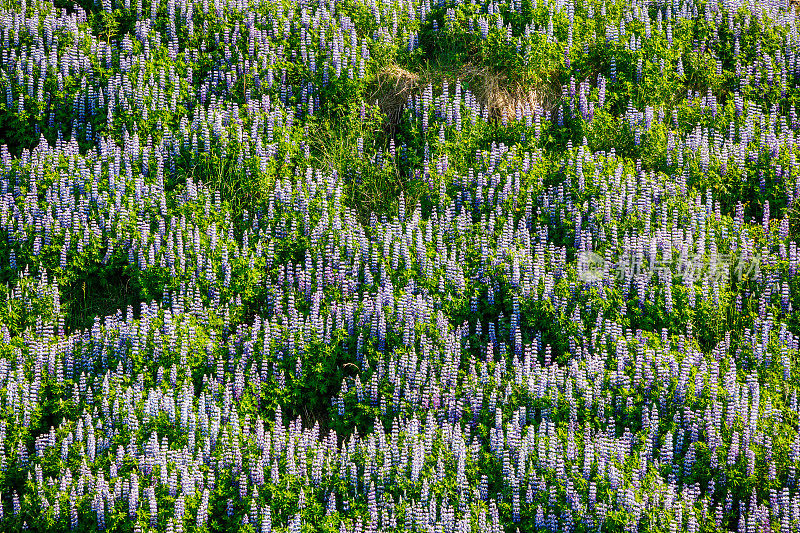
x=398 y=265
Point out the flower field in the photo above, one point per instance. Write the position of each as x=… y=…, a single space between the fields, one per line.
x=366 y=266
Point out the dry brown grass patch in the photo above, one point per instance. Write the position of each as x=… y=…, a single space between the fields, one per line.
x=395 y=85
x=502 y=98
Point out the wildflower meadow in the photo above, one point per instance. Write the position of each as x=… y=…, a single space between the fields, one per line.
x=361 y=266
